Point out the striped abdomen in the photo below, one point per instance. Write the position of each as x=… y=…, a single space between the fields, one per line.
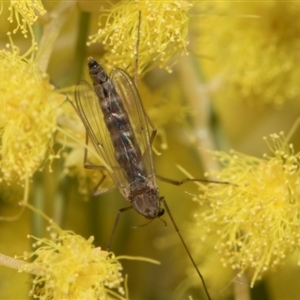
x=127 y=150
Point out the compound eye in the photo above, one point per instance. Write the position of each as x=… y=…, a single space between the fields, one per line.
x=92 y=63
x=161 y=212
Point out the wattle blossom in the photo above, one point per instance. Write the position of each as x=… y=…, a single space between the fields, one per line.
x=68 y=266
x=163 y=33
x=27 y=118
x=256 y=215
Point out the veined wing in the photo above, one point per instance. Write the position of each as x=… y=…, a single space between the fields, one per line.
x=88 y=108
x=135 y=110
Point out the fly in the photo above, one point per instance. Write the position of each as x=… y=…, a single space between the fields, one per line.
x=117 y=125
x=115 y=102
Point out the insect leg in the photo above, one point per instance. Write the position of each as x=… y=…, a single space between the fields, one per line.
x=86 y=165
x=162 y=199
x=154 y=129
x=178 y=183
x=116 y=224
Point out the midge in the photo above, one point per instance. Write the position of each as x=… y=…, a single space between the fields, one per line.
x=117 y=125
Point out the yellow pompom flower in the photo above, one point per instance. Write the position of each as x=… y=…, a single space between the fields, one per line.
x=27 y=119
x=256 y=217
x=163 y=33
x=25 y=13
x=254 y=46
x=67 y=266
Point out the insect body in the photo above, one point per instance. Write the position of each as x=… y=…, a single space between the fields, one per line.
x=117 y=125
x=133 y=172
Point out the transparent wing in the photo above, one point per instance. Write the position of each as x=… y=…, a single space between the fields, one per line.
x=134 y=107
x=88 y=108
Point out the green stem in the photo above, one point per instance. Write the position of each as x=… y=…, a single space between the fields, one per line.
x=38 y=201
x=198 y=99
x=59 y=203
x=17 y=264
x=80 y=48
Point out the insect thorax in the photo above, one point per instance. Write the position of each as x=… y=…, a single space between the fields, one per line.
x=145 y=199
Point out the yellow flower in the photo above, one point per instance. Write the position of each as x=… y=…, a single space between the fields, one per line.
x=25 y=13
x=256 y=217
x=27 y=120
x=163 y=33
x=69 y=267
x=254 y=47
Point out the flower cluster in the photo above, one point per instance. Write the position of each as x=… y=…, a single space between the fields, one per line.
x=256 y=215
x=69 y=267
x=163 y=32
x=25 y=13
x=27 y=120
x=254 y=48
